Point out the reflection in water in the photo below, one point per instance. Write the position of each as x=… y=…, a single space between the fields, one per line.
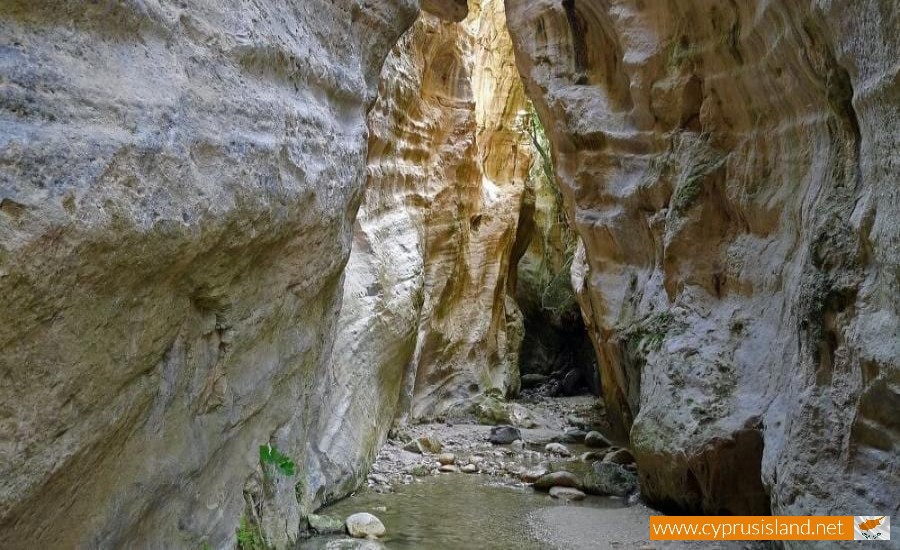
x=455 y=511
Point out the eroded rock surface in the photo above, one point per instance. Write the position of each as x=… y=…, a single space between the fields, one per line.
x=177 y=186
x=427 y=295
x=731 y=168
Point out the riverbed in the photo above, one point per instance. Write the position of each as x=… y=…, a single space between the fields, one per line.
x=464 y=511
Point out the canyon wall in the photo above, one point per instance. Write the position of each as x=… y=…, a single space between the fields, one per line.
x=556 y=344
x=427 y=299
x=177 y=188
x=731 y=169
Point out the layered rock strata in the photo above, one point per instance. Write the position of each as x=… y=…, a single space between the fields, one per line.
x=428 y=300
x=731 y=169
x=177 y=188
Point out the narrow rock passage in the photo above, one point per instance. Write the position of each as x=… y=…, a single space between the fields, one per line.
x=258 y=255
x=460 y=484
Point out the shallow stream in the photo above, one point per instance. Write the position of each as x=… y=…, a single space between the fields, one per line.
x=457 y=511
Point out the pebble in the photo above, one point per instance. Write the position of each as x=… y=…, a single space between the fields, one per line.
x=557 y=449
x=573 y=435
x=448 y=468
x=470 y=469
x=596 y=440
x=619 y=456
x=365 y=526
x=532 y=456
x=576 y=421
x=566 y=493
x=379 y=478
x=504 y=435
x=447 y=458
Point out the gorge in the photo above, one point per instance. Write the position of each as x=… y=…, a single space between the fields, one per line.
x=245 y=246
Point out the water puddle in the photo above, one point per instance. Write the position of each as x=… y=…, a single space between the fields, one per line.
x=456 y=511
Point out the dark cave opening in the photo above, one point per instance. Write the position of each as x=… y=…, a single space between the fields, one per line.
x=557 y=357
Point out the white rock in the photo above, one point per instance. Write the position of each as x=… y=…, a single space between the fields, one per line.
x=363 y=525
x=557 y=449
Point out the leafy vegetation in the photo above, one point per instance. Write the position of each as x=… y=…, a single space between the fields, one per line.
x=269 y=454
x=649 y=333
x=249 y=536
x=554 y=285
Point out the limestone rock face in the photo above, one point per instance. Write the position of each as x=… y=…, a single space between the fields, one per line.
x=555 y=340
x=177 y=186
x=427 y=297
x=450 y=10
x=731 y=169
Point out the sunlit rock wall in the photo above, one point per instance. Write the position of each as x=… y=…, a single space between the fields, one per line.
x=732 y=168
x=177 y=187
x=427 y=301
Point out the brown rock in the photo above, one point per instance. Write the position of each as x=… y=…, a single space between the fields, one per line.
x=596 y=440
x=619 y=456
x=447 y=458
x=557 y=479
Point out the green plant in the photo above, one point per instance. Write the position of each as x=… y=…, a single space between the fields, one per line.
x=553 y=276
x=648 y=334
x=298 y=491
x=268 y=454
x=687 y=194
x=249 y=537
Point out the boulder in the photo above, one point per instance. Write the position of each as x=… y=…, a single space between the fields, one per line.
x=492 y=410
x=424 y=444
x=324 y=525
x=557 y=449
x=365 y=526
x=557 y=479
x=520 y=416
x=446 y=458
x=619 y=456
x=504 y=435
x=591 y=456
x=530 y=476
x=596 y=440
x=607 y=479
x=572 y=435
